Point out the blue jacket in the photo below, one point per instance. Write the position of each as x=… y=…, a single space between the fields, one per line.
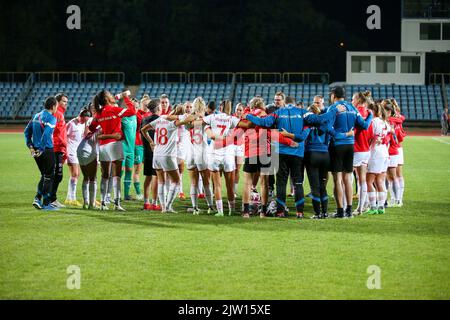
x=292 y=119
x=39 y=131
x=343 y=122
x=318 y=139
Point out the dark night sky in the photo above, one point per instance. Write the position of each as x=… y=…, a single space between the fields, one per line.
x=353 y=15
x=201 y=35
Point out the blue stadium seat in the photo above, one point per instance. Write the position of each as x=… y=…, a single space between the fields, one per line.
x=80 y=94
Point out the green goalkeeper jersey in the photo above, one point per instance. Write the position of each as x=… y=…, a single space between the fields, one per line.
x=129 y=127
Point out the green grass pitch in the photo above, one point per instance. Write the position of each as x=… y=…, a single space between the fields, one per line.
x=150 y=256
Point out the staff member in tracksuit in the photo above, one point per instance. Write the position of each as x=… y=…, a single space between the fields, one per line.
x=342 y=149
x=60 y=146
x=39 y=139
x=292 y=120
x=317 y=161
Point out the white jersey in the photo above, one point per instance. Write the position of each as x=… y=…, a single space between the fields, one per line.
x=75 y=134
x=88 y=149
x=183 y=133
x=166 y=137
x=222 y=125
x=199 y=140
x=380 y=131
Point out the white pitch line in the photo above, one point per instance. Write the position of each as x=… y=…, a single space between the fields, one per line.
x=441 y=141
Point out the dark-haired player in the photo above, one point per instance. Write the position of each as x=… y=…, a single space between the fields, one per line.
x=39 y=139
x=108 y=116
x=60 y=146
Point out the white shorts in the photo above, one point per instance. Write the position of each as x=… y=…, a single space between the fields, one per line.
x=165 y=163
x=197 y=160
x=219 y=162
x=181 y=153
x=72 y=157
x=361 y=159
x=393 y=161
x=239 y=151
x=111 y=152
x=377 y=166
x=401 y=160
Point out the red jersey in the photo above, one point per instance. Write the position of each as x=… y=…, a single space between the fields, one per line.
x=362 y=137
x=109 y=118
x=257 y=140
x=166 y=112
x=140 y=115
x=393 y=144
x=397 y=123
x=60 y=133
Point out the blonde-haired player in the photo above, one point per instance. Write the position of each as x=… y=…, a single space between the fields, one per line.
x=378 y=161
x=223 y=157
x=197 y=163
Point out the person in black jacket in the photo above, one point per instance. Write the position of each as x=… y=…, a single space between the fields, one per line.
x=149 y=172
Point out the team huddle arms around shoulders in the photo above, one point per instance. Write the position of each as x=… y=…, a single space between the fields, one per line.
x=268 y=144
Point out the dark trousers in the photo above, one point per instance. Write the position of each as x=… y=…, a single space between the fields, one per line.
x=293 y=166
x=317 y=166
x=444 y=125
x=58 y=173
x=46 y=165
x=272 y=182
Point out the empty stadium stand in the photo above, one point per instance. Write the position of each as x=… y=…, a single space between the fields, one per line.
x=80 y=94
x=9 y=93
x=416 y=102
x=21 y=98
x=301 y=92
x=182 y=92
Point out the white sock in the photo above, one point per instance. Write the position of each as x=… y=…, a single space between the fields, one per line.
x=200 y=185
x=110 y=186
x=181 y=183
x=402 y=187
x=362 y=195
x=69 y=190
x=194 y=196
x=166 y=190
x=161 y=196
x=209 y=196
x=74 y=182
x=85 y=187
x=381 y=197
x=231 y=205
x=219 y=205
x=372 y=199
x=117 y=188
x=391 y=190
x=396 y=189
x=104 y=188
x=92 y=192
x=173 y=192
x=236 y=186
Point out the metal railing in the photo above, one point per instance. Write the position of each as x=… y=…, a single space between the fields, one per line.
x=306 y=77
x=165 y=77
x=438 y=78
x=20 y=101
x=54 y=76
x=14 y=76
x=95 y=76
x=210 y=77
x=258 y=77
